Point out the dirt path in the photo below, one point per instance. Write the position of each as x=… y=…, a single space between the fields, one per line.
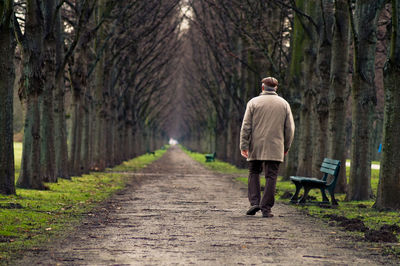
x=184 y=214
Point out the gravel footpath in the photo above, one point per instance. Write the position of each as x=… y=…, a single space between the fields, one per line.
x=176 y=212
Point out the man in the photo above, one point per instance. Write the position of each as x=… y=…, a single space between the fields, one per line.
x=266 y=135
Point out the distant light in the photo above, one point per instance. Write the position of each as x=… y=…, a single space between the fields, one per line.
x=173 y=141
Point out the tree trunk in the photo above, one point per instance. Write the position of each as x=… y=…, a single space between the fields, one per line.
x=33 y=81
x=376 y=135
x=292 y=159
x=76 y=131
x=307 y=95
x=60 y=124
x=86 y=136
x=7 y=75
x=47 y=134
x=221 y=141
x=295 y=85
x=92 y=117
x=389 y=182
x=100 y=125
x=108 y=128
x=30 y=175
x=79 y=92
x=325 y=23
x=47 y=116
x=338 y=91
x=364 y=97
x=234 y=151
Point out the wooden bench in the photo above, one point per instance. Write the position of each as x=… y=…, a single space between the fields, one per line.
x=328 y=167
x=210 y=157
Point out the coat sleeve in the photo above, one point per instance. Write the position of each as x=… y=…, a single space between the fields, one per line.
x=245 y=132
x=289 y=128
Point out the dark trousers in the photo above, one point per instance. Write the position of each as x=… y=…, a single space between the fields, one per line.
x=271 y=169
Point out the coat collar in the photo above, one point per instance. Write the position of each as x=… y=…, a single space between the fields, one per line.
x=268 y=93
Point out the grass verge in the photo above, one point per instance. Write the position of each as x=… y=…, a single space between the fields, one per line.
x=32 y=217
x=372 y=218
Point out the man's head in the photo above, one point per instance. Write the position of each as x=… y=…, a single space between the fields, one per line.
x=269 y=83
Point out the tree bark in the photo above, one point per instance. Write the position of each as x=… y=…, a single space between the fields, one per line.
x=338 y=91
x=7 y=76
x=85 y=152
x=221 y=141
x=99 y=84
x=30 y=175
x=308 y=93
x=60 y=124
x=47 y=108
x=295 y=85
x=389 y=182
x=321 y=108
x=363 y=96
x=79 y=88
x=33 y=81
x=76 y=130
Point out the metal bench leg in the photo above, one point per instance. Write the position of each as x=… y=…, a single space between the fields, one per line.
x=295 y=197
x=303 y=199
x=332 y=193
x=324 y=197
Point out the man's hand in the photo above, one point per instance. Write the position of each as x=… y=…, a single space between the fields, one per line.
x=245 y=153
x=286 y=152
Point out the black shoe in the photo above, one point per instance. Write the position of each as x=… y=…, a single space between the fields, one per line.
x=267 y=215
x=253 y=210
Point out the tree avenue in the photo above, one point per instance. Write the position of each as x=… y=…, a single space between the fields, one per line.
x=307 y=45
x=7 y=74
x=93 y=76
x=102 y=81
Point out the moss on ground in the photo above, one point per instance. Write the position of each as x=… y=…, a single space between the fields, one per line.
x=32 y=217
x=363 y=210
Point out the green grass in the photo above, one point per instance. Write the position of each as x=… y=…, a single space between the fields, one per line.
x=363 y=210
x=372 y=162
x=31 y=217
x=139 y=162
x=17 y=157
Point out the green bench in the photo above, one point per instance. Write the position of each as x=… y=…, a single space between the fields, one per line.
x=328 y=167
x=210 y=157
x=150 y=152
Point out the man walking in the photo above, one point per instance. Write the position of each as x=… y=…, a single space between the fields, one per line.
x=265 y=137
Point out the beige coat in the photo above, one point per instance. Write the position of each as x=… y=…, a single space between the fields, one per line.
x=268 y=127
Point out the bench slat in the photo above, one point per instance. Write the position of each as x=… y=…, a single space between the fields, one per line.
x=306 y=179
x=331 y=161
x=327 y=170
x=329 y=166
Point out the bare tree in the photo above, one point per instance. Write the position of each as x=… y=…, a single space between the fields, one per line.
x=389 y=182
x=32 y=87
x=364 y=26
x=7 y=76
x=339 y=88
